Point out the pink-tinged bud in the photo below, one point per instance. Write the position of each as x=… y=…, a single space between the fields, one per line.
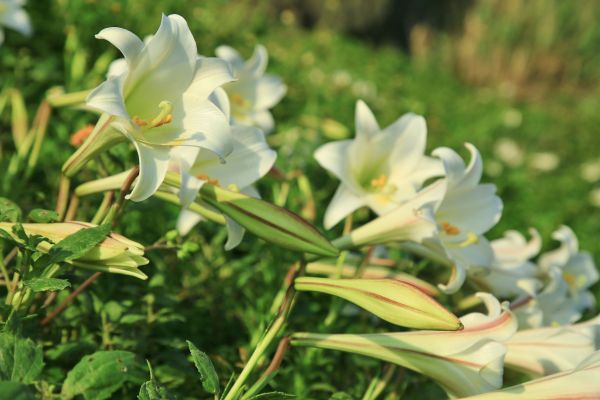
x=464 y=363
x=394 y=301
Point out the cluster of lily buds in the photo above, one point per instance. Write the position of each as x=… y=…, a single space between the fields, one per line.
x=115 y=254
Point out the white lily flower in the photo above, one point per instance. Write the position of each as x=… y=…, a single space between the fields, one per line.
x=578 y=268
x=555 y=305
x=445 y=221
x=161 y=101
x=467 y=210
x=14 y=17
x=464 y=363
x=250 y=160
x=580 y=383
x=379 y=168
x=254 y=92
x=548 y=350
x=511 y=273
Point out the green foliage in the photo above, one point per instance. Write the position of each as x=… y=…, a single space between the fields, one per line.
x=208 y=375
x=97 y=376
x=16 y=391
x=42 y=216
x=21 y=360
x=152 y=390
x=9 y=211
x=74 y=246
x=46 y=284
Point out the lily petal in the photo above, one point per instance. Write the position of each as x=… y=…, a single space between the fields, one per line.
x=154 y=163
x=365 y=122
x=128 y=43
x=344 y=203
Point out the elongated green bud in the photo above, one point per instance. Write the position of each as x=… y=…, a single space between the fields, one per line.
x=269 y=222
x=394 y=301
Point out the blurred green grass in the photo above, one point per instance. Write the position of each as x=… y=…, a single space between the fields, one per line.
x=523 y=70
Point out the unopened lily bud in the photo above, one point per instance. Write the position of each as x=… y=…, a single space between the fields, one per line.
x=579 y=383
x=394 y=301
x=464 y=363
x=115 y=254
x=267 y=221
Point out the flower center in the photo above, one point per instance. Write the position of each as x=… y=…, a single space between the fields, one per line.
x=450 y=229
x=206 y=178
x=164 y=117
x=379 y=183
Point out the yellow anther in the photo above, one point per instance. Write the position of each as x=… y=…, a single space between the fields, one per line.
x=238 y=99
x=379 y=183
x=206 y=178
x=569 y=278
x=450 y=229
x=471 y=238
x=138 y=121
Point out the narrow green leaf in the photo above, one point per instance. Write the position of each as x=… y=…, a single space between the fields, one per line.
x=268 y=221
x=75 y=245
x=9 y=211
x=99 y=375
x=46 y=284
x=208 y=375
x=40 y=215
x=341 y=396
x=16 y=391
x=21 y=360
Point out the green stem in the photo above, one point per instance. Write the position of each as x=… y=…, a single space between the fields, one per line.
x=270 y=335
x=195 y=207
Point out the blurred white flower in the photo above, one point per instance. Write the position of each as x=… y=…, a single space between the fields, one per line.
x=509 y=152
x=512 y=118
x=544 y=161
x=590 y=171
x=161 y=101
x=464 y=363
x=594 y=197
x=511 y=273
x=578 y=268
x=14 y=17
x=379 y=168
x=254 y=92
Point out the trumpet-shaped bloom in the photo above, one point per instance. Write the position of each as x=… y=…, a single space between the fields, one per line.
x=14 y=17
x=511 y=273
x=379 y=168
x=446 y=220
x=115 y=254
x=254 y=92
x=579 y=383
x=545 y=351
x=464 y=362
x=161 y=101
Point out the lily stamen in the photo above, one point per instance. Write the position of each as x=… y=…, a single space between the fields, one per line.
x=206 y=178
x=379 y=183
x=450 y=229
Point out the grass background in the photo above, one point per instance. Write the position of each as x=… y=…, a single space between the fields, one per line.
x=485 y=72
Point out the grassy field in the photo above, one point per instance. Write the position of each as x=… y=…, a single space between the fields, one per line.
x=220 y=300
